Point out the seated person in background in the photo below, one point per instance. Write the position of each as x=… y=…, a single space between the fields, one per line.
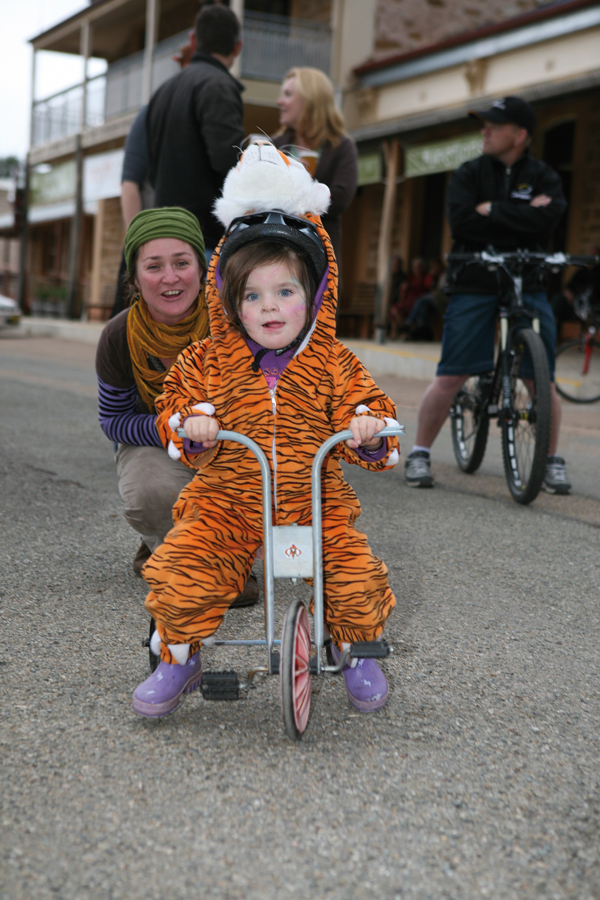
x=397 y=278
x=421 y=320
x=413 y=288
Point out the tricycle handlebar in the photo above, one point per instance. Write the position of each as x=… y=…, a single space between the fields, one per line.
x=388 y=431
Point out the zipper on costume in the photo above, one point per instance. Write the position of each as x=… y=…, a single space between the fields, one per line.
x=273 y=448
x=507 y=182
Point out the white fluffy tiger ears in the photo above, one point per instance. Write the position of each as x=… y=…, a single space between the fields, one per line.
x=266 y=179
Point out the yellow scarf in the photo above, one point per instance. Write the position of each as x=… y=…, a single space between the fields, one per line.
x=150 y=341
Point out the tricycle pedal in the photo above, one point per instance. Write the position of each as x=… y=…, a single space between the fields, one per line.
x=370 y=650
x=220 y=686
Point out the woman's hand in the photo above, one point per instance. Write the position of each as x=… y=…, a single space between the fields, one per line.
x=202 y=430
x=363 y=429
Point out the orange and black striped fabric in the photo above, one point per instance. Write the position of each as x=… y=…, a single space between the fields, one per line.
x=206 y=558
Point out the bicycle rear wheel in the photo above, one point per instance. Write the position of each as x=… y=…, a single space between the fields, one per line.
x=526 y=423
x=470 y=423
x=578 y=370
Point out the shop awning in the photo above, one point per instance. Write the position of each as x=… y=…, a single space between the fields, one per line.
x=441 y=156
x=53 y=191
x=370 y=170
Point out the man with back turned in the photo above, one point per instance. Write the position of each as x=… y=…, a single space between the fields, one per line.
x=194 y=124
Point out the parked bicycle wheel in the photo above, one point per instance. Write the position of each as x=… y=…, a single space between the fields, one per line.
x=526 y=424
x=578 y=370
x=470 y=423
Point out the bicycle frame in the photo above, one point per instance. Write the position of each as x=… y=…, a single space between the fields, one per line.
x=516 y=260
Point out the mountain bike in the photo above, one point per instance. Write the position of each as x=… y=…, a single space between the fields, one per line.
x=517 y=391
x=578 y=361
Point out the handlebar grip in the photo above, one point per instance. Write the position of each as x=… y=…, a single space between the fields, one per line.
x=576 y=260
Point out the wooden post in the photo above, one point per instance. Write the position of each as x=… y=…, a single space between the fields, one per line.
x=237 y=6
x=152 y=13
x=22 y=298
x=391 y=152
x=96 y=285
x=75 y=237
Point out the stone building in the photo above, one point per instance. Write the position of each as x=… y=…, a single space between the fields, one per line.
x=407 y=72
x=416 y=99
x=75 y=231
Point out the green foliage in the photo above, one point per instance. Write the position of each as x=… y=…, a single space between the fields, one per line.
x=7 y=166
x=53 y=292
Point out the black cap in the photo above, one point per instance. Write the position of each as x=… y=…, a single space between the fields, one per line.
x=509 y=110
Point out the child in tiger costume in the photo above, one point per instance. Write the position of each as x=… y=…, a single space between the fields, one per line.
x=273 y=370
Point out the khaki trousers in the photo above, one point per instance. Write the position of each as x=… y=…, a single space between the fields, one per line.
x=150 y=483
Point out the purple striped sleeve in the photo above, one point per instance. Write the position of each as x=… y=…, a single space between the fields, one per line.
x=120 y=419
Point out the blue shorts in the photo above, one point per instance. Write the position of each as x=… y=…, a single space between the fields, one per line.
x=469 y=328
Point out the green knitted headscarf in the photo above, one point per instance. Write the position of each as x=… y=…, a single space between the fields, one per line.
x=165 y=222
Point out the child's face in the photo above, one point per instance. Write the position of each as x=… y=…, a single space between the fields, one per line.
x=273 y=308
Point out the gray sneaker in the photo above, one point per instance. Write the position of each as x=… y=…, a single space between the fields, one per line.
x=417 y=470
x=555 y=479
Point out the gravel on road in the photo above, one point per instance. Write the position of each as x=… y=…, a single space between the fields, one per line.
x=479 y=779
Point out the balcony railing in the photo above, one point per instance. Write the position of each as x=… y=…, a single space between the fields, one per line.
x=272 y=44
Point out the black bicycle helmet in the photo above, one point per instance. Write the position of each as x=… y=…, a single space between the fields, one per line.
x=279 y=227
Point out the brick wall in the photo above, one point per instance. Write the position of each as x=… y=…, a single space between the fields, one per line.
x=9 y=266
x=404 y=25
x=316 y=10
x=113 y=235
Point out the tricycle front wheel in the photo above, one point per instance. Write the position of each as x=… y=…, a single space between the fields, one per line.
x=294 y=670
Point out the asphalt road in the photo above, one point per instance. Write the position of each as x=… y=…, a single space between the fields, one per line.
x=479 y=779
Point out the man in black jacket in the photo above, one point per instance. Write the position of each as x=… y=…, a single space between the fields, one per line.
x=194 y=124
x=509 y=200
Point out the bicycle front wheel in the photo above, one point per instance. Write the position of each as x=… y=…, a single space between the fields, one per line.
x=526 y=423
x=578 y=370
x=469 y=424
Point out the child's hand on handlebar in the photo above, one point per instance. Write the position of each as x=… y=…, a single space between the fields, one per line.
x=202 y=430
x=364 y=429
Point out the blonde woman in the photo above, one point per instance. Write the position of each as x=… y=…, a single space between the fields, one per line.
x=310 y=121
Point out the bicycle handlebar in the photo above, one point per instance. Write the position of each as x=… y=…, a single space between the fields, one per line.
x=493 y=257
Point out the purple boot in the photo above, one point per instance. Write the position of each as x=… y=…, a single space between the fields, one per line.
x=159 y=695
x=366 y=685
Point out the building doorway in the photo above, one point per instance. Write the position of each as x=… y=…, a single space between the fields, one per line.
x=558 y=153
x=432 y=222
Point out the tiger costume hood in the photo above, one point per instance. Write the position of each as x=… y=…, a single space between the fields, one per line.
x=265 y=181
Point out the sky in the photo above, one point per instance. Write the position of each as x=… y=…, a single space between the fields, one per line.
x=22 y=20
